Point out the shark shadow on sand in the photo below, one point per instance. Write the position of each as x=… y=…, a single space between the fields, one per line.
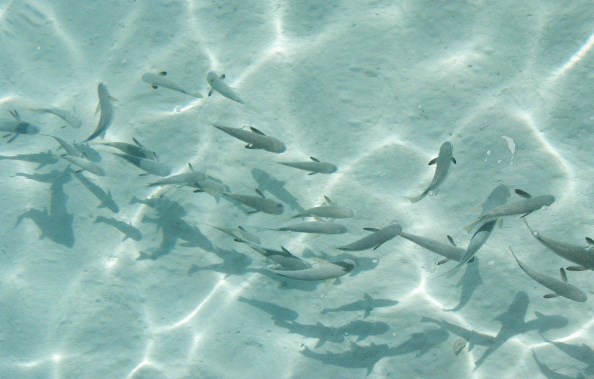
x=470 y=281
x=275 y=187
x=55 y=223
x=367 y=304
x=42 y=159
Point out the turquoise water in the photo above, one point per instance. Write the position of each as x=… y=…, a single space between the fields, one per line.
x=104 y=276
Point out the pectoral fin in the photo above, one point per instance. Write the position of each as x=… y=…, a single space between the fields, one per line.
x=256 y=131
x=260 y=193
x=522 y=193
x=590 y=241
x=576 y=268
x=454 y=160
x=314 y=159
x=163 y=73
x=550 y=295
x=154 y=86
x=371 y=229
x=378 y=246
x=451 y=241
x=563 y=274
x=432 y=161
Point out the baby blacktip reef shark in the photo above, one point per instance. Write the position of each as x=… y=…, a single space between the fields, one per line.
x=582 y=255
x=255 y=139
x=442 y=167
x=217 y=84
x=560 y=287
x=522 y=207
x=159 y=80
x=315 y=166
x=107 y=112
x=323 y=271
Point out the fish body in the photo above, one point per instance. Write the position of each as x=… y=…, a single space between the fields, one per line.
x=18 y=126
x=284 y=258
x=69 y=117
x=255 y=139
x=320 y=227
x=239 y=234
x=196 y=179
x=448 y=251
x=70 y=149
x=521 y=207
x=216 y=83
x=314 y=166
x=322 y=272
x=86 y=165
x=136 y=150
x=128 y=230
x=148 y=165
x=375 y=239
x=560 y=287
x=160 y=80
x=583 y=256
x=258 y=203
x=107 y=112
x=496 y=198
x=328 y=211
x=442 y=167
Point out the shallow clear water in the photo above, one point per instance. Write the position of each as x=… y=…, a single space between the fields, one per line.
x=106 y=277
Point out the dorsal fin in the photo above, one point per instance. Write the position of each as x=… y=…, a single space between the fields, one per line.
x=590 y=241
x=136 y=142
x=522 y=193
x=163 y=73
x=327 y=199
x=154 y=86
x=256 y=130
x=314 y=159
x=563 y=274
x=451 y=240
x=454 y=160
x=260 y=193
x=190 y=166
x=432 y=161
x=367 y=297
x=222 y=76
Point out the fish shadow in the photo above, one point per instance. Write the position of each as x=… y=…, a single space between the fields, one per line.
x=275 y=187
x=367 y=304
x=54 y=223
x=234 y=263
x=42 y=159
x=470 y=281
x=277 y=312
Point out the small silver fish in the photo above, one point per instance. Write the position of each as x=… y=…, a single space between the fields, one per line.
x=377 y=238
x=315 y=166
x=319 y=227
x=159 y=80
x=255 y=139
x=330 y=210
x=560 y=287
x=18 y=126
x=442 y=167
x=217 y=84
x=136 y=149
x=70 y=149
x=258 y=203
x=582 y=255
x=322 y=272
x=148 y=165
x=522 y=207
x=239 y=234
x=85 y=164
x=69 y=117
x=107 y=112
x=448 y=251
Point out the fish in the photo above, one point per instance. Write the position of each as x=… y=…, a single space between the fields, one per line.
x=496 y=198
x=18 y=127
x=322 y=272
x=367 y=304
x=255 y=139
x=583 y=256
x=160 y=80
x=70 y=118
x=522 y=207
x=107 y=112
x=284 y=258
x=319 y=227
x=148 y=165
x=127 y=229
x=136 y=149
x=448 y=251
x=217 y=84
x=315 y=166
x=239 y=234
x=70 y=149
x=442 y=167
x=377 y=238
x=258 y=203
x=559 y=287
x=85 y=164
x=330 y=210
x=196 y=179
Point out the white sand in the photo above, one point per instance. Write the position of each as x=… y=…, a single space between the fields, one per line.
x=370 y=86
